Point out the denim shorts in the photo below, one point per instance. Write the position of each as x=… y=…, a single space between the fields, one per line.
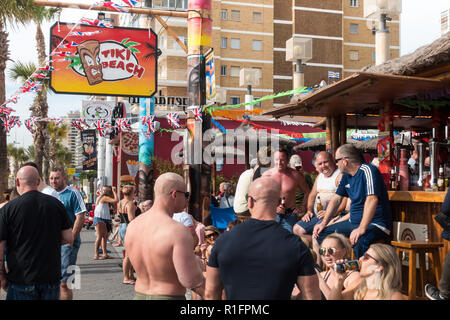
x=69 y=258
x=122 y=231
x=105 y=221
x=33 y=292
x=287 y=220
x=309 y=226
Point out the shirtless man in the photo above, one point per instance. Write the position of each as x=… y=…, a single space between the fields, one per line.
x=160 y=248
x=289 y=180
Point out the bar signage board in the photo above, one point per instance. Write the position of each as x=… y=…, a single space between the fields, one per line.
x=103 y=61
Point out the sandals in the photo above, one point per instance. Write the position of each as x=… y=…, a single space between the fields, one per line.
x=107 y=257
x=132 y=282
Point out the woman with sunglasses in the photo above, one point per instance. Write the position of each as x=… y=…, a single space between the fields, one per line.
x=381 y=273
x=335 y=247
x=211 y=235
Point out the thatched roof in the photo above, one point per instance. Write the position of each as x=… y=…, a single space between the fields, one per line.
x=426 y=57
x=316 y=144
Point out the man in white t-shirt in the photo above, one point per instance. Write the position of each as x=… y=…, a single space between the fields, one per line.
x=185 y=219
x=322 y=191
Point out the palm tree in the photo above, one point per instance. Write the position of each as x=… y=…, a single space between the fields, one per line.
x=18 y=155
x=63 y=156
x=40 y=106
x=12 y=13
x=56 y=133
x=30 y=152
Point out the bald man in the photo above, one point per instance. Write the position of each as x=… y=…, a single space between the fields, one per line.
x=32 y=227
x=161 y=249
x=259 y=259
x=290 y=180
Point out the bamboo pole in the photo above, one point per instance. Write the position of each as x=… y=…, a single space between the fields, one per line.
x=343 y=129
x=334 y=134
x=328 y=135
x=150 y=12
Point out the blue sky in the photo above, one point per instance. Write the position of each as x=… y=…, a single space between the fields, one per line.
x=420 y=25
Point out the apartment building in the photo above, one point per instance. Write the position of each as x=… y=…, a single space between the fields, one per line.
x=253 y=34
x=73 y=140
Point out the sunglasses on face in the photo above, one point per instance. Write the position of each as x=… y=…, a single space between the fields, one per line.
x=211 y=235
x=186 y=194
x=330 y=251
x=338 y=159
x=367 y=256
x=253 y=199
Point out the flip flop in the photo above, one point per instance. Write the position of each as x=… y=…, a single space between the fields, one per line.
x=96 y=257
x=108 y=257
x=128 y=282
x=101 y=258
x=116 y=245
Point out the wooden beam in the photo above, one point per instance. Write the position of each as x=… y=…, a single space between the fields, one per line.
x=150 y=12
x=173 y=34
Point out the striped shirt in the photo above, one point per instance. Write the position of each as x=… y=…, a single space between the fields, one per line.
x=367 y=181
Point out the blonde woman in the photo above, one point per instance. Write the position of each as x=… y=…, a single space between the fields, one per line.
x=335 y=247
x=102 y=220
x=380 y=270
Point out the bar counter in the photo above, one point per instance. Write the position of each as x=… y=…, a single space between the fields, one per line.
x=420 y=207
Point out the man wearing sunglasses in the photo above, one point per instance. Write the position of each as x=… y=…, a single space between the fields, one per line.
x=161 y=249
x=290 y=180
x=259 y=259
x=370 y=212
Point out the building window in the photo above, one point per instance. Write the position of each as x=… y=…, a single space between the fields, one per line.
x=373 y=56
x=235 y=43
x=223 y=70
x=223 y=42
x=235 y=71
x=235 y=15
x=224 y=14
x=257 y=17
x=235 y=100
x=257 y=45
x=354 y=3
x=354 y=55
x=354 y=28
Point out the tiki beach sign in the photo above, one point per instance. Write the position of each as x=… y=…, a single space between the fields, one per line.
x=103 y=61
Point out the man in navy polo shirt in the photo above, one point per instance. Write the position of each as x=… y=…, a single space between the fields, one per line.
x=370 y=213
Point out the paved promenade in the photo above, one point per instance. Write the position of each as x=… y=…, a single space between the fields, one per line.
x=100 y=279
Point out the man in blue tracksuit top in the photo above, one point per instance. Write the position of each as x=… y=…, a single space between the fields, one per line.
x=370 y=213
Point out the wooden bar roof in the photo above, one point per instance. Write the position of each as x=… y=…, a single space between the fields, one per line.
x=362 y=93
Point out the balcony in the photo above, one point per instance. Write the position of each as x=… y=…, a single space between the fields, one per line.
x=172 y=77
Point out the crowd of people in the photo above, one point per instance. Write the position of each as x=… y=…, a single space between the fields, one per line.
x=297 y=242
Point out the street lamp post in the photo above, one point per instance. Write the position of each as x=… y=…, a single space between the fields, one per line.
x=248 y=77
x=379 y=12
x=298 y=50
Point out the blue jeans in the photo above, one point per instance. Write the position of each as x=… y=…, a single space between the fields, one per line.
x=287 y=220
x=33 y=292
x=372 y=234
x=122 y=231
x=69 y=258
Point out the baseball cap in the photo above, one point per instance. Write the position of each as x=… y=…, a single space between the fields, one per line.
x=295 y=161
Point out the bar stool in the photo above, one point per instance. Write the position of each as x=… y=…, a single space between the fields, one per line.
x=419 y=247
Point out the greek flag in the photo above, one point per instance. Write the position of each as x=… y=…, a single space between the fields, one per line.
x=333 y=75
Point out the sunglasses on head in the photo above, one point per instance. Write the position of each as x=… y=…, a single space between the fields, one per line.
x=330 y=251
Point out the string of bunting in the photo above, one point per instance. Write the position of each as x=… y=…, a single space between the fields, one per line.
x=212 y=109
x=41 y=72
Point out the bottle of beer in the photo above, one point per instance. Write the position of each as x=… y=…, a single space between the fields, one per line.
x=441 y=179
x=393 y=181
x=319 y=204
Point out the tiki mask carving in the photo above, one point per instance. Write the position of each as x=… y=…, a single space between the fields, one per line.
x=89 y=52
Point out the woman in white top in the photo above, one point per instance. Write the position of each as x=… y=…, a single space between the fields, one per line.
x=102 y=220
